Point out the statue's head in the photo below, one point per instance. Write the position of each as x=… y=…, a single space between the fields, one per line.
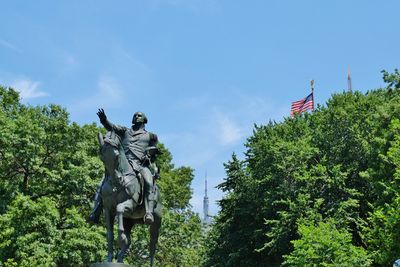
x=139 y=117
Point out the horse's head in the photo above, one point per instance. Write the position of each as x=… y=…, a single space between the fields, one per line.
x=111 y=151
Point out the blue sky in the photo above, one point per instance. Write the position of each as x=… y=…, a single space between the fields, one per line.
x=203 y=71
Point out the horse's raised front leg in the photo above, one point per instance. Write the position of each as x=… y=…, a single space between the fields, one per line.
x=109 y=216
x=122 y=237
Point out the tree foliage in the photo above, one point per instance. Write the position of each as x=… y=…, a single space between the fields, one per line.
x=325 y=245
x=49 y=171
x=392 y=79
x=332 y=173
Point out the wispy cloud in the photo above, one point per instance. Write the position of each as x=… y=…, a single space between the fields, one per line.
x=121 y=55
x=122 y=80
x=221 y=128
x=109 y=90
x=28 y=89
x=229 y=132
x=108 y=94
x=9 y=45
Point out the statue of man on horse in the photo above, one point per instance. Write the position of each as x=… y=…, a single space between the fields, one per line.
x=129 y=156
x=140 y=149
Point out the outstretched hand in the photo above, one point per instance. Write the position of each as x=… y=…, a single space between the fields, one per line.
x=102 y=115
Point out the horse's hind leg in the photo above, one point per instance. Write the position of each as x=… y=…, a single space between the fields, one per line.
x=154 y=233
x=109 y=216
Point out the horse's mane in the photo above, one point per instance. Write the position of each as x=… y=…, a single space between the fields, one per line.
x=112 y=139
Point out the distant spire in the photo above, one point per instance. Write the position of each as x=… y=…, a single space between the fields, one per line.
x=206 y=216
x=349 y=80
x=205 y=192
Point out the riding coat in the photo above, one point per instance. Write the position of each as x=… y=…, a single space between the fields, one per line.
x=135 y=144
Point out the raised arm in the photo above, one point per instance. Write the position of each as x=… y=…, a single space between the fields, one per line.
x=107 y=124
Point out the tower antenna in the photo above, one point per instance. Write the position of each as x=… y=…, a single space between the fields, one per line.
x=349 y=80
x=206 y=218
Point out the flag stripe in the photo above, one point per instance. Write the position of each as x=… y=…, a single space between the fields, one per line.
x=302 y=105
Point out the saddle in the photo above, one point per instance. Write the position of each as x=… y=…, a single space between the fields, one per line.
x=130 y=190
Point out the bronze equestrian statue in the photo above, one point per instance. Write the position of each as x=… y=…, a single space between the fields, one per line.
x=127 y=190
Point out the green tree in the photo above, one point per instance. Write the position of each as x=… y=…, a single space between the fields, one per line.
x=29 y=232
x=236 y=233
x=338 y=162
x=45 y=159
x=49 y=171
x=383 y=230
x=383 y=233
x=392 y=79
x=325 y=245
x=79 y=242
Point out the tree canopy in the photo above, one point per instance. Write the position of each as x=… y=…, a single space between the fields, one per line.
x=319 y=189
x=49 y=171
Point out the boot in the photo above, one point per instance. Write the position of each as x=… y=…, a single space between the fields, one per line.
x=148 y=217
x=94 y=216
x=149 y=205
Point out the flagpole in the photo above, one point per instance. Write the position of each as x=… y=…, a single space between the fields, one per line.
x=312 y=92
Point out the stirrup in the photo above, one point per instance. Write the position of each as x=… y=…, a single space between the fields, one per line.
x=148 y=218
x=94 y=216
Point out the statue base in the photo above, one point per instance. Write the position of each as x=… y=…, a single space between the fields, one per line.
x=109 y=264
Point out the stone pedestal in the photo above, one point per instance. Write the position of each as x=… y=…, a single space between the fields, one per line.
x=109 y=264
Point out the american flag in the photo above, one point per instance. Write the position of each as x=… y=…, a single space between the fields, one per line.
x=302 y=105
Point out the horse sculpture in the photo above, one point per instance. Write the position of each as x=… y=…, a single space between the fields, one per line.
x=122 y=195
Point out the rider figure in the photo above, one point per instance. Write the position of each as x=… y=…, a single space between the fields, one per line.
x=140 y=148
